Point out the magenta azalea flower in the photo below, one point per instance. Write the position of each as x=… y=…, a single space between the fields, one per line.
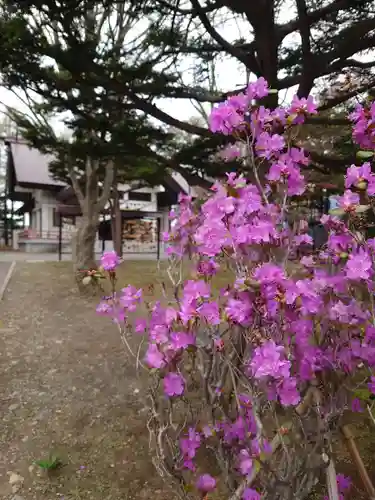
x=257 y=89
x=206 y=483
x=301 y=107
x=174 y=384
x=355 y=175
x=250 y=494
x=303 y=239
x=288 y=392
x=140 y=325
x=269 y=145
x=207 y=267
x=104 y=309
x=109 y=261
x=182 y=340
x=130 y=297
x=348 y=201
x=210 y=312
x=245 y=463
x=344 y=483
x=224 y=118
x=269 y=361
x=359 y=266
x=154 y=358
x=239 y=310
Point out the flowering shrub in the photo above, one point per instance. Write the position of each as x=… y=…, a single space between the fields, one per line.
x=247 y=387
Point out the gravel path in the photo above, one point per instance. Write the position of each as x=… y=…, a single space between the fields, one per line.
x=68 y=388
x=4 y=268
x=53 y=257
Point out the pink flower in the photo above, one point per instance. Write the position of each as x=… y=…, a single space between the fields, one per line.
x=303 y=239
x=269 y=360
x=269 y=273
x=206 y=483
x=293 y=322
x=285 y=171
x=258 y=89
x=207 y=267
x=190 y=444
x=245 y=463
x=268 y=145
x=140 y=325
x=359 y=266
x=239 y=310
x=355 y=175
x=109 y=261
x=288 y=392
x=343 y=482
x=154 y=358
x=225 y=119
x=174 y=384
x=348 y=201
x=210 y=312
x=182 y=340
x=302 y=107
x=104 y=309
x=250 y=494
x=130 y=297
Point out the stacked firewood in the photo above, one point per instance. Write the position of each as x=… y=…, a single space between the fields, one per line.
x=138 y=230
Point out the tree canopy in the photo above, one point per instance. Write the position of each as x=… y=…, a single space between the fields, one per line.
x=108 y=65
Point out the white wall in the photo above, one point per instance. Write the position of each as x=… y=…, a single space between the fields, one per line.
x=46 y=202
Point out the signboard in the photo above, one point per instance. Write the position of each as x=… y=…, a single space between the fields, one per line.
x=68 y=221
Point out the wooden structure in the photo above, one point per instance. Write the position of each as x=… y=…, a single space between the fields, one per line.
x=137 y=225
x=52 y=208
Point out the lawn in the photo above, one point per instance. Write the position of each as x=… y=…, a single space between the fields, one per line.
x=69 y=390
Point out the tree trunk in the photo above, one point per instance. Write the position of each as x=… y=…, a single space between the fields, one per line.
x=91 y=205
x=116 y=222
x=84 y=258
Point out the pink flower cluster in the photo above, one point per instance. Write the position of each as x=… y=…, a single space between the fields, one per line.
x=295 y=326
x=344 y=485
x=364 y=131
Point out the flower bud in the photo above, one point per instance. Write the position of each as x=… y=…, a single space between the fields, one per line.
x=362 y=185
x=86 y=280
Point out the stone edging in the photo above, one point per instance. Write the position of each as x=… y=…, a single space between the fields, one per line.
x=7 y=279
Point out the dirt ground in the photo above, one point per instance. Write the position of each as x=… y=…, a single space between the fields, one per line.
x=68 y=388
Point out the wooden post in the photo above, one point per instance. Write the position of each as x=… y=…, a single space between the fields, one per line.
x=12 y=222
x=158 y=226
x=60 y=237
x=356 y=457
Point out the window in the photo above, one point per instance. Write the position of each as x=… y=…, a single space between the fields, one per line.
x=137 y=196
x=56 y=218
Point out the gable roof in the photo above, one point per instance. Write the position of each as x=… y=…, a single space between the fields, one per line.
x=30 y=165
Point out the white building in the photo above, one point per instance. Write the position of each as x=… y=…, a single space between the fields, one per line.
x=30 y=185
